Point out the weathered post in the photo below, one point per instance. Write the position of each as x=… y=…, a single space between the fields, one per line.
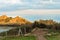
x=19 y=32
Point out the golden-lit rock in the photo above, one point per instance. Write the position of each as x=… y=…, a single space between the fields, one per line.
x=9 y=20
x=47 y=22
x=18 y=20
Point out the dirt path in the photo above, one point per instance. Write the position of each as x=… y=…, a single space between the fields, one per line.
x=39 y=33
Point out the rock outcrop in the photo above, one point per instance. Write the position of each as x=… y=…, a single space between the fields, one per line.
x=9 y=20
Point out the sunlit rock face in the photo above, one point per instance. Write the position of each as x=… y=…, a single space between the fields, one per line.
x=47 y=22
x=2 y=19
x=18 y=20
x=9 y=20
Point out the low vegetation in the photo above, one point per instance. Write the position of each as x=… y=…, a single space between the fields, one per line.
x=56 y=37
x=53 y=36
x=19 y=38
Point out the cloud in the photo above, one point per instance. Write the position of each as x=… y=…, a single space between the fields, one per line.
x=50 y=1
x=33 y=11
x=11 y=1
x=11 y=5
x=30 y=14
x=5 y=4
x=56 y=0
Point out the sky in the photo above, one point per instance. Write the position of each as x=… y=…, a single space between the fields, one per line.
x=31 y=9
x=11 y=5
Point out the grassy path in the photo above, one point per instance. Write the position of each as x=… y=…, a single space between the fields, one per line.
x=39 y=33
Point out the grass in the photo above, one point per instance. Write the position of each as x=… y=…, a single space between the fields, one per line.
x=20 y=38
x=55 y=35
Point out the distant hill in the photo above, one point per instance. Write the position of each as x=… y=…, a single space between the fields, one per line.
x=9 y=20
